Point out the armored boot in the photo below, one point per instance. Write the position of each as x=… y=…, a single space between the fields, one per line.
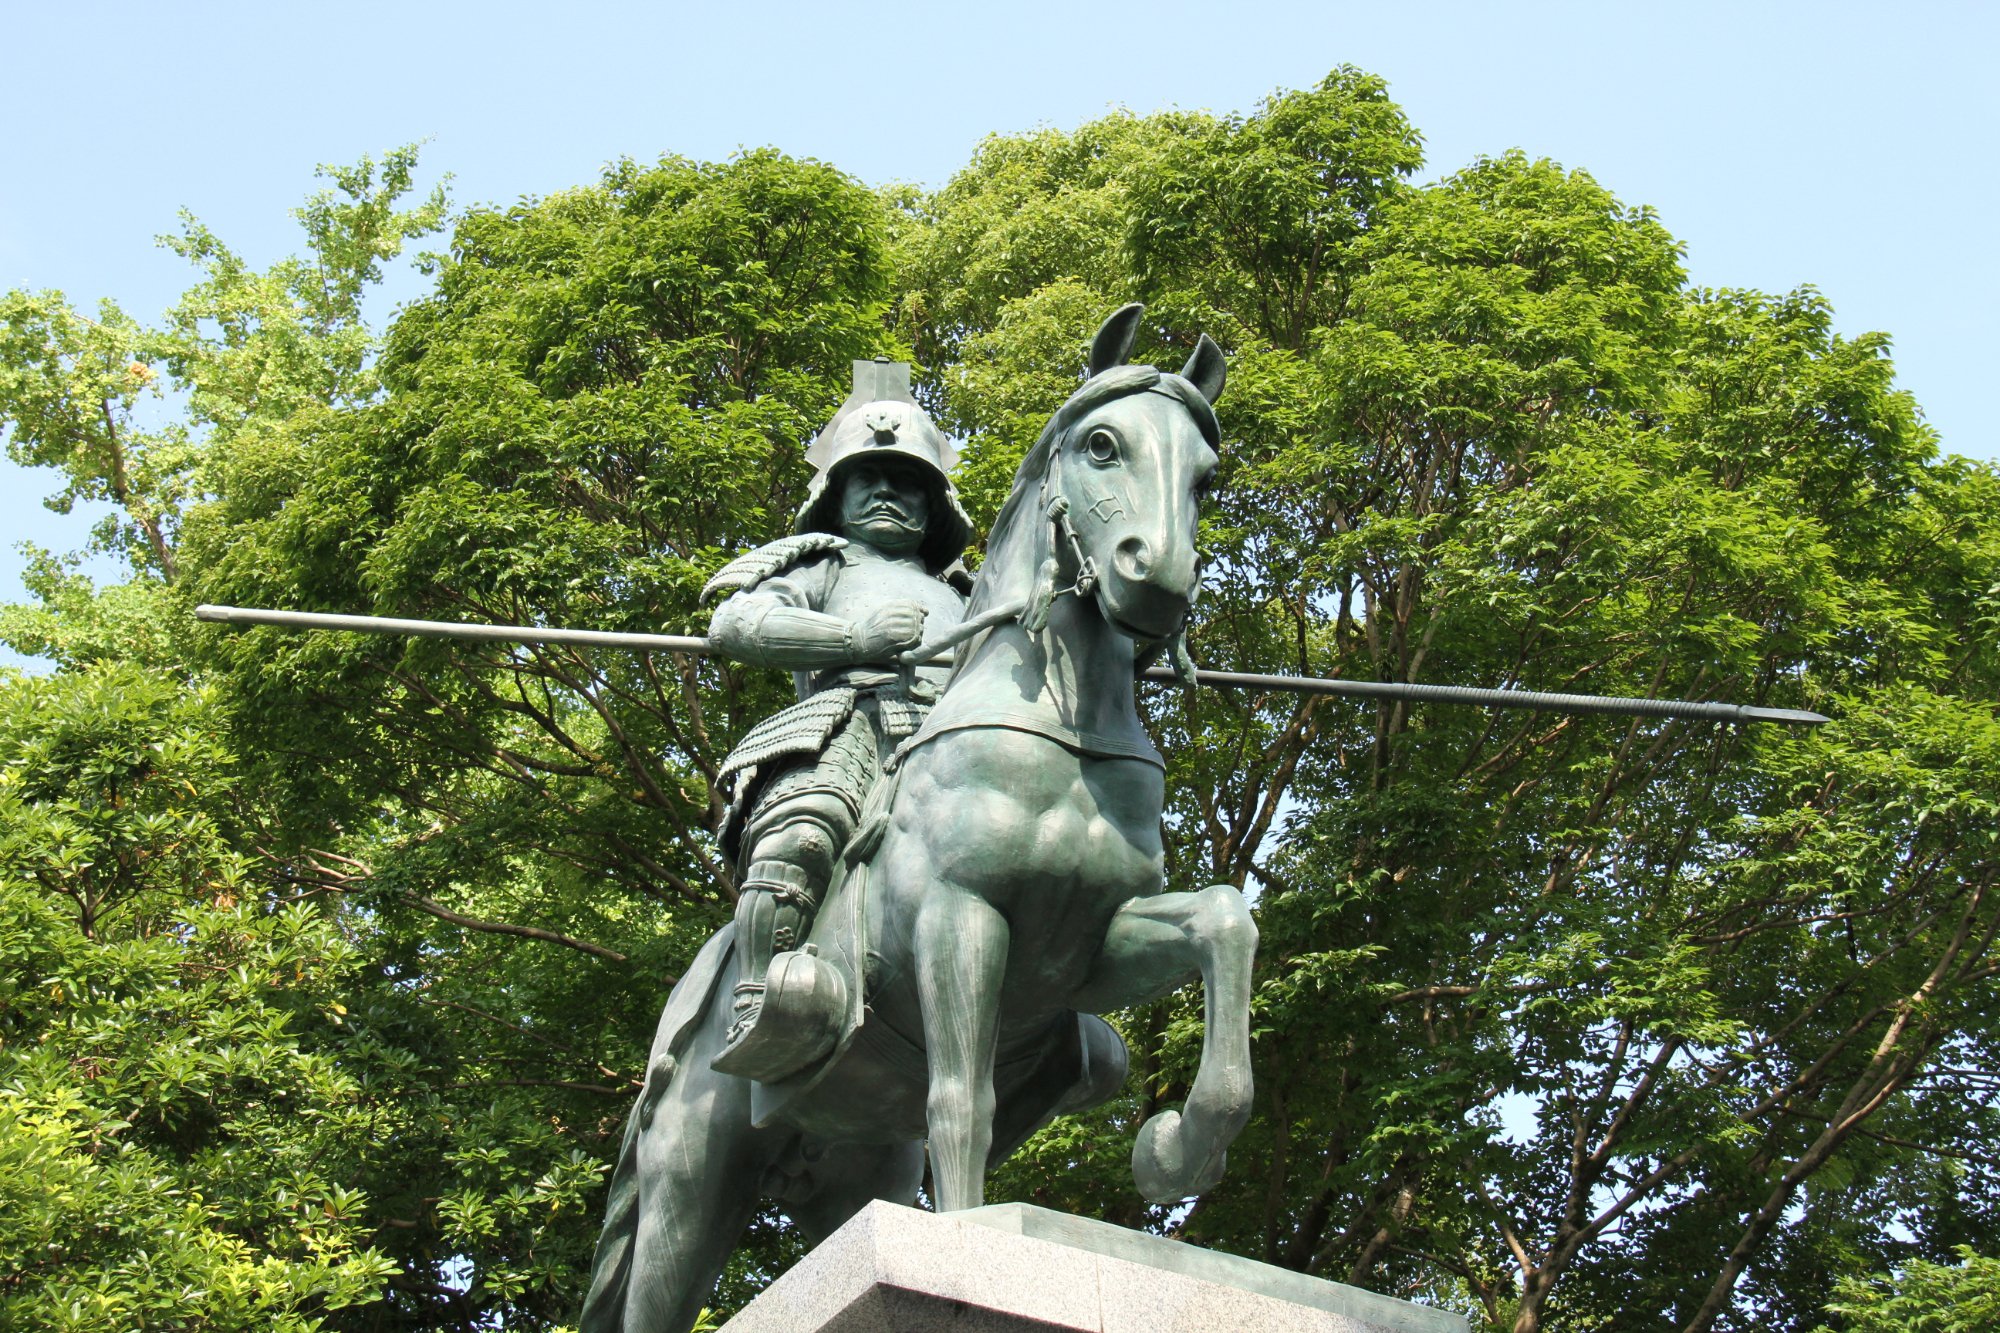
x=774 y=909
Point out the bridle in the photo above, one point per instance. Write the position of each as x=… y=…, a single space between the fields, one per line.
x=1033 y=614
x=1057 y=509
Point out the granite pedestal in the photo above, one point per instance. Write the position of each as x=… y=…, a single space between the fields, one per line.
x=1010 y=1268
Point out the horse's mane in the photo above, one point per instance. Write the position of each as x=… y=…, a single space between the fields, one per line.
x=1014 y=547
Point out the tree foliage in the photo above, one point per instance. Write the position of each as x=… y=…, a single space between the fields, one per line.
x=1570 y=1022
x=1482 y=431
x=182 y=1103
x=1922 y=1297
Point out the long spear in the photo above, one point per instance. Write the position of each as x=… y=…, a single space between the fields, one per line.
x=1695 y=710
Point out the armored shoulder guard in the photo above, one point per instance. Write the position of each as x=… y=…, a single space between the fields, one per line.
x=749 y=570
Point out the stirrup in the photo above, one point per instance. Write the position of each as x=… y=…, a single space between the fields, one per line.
x=798 y=1021
x=749 y=1006
x=753 y=1052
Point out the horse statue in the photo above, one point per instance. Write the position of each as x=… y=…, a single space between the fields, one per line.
x=1005 y=887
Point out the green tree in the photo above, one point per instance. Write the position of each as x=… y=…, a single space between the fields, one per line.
x=1922 y=1298
x=1482 y=432
x=1566 y=1021
x=183 y=1103
x=604 y=397
x=127 y=415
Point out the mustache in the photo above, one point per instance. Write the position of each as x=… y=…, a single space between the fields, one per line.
x=890 y=511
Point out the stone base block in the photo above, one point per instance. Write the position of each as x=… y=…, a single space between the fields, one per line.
x=1010 y=1268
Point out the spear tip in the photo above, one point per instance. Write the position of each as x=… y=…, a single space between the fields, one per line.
x=1793 y=717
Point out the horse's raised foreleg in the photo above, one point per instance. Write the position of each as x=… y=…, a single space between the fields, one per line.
x=961 y=954
x=1156 y=945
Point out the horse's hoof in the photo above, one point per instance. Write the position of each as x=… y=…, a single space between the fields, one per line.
x=1159 y=1164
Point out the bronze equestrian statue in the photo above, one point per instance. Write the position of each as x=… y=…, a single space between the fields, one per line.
x=1003 y=886
x=946 y=874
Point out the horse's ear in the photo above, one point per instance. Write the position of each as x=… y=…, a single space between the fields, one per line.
x=1113 y=342
x=1205 y=369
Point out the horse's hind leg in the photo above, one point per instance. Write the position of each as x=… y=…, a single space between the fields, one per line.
x=698 y=1166
x=1154 y=946
x=961 y=955
x=849 y=1177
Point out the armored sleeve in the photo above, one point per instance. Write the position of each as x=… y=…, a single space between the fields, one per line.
x=777 y=623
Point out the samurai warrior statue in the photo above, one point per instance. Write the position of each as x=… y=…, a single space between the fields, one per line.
x=874 y=559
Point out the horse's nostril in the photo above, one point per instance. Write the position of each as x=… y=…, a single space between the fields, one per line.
x=1134 y=558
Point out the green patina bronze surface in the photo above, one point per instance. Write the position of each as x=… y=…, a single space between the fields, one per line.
x=946 y=875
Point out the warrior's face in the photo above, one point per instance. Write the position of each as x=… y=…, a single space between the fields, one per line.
x=884 y=504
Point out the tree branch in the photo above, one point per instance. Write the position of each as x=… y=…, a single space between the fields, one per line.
x=507 y=928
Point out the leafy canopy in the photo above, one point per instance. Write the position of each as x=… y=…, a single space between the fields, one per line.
x=1566 y=1022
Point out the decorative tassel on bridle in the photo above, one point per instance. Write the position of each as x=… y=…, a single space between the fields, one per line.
x=1175 y=649
x=1177 y=653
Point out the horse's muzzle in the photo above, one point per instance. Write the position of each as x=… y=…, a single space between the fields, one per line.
x=1140 y=597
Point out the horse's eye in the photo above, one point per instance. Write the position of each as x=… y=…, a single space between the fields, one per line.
x=1103 y=446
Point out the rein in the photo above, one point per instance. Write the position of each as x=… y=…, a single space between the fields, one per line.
x=1065 y=531
x=1034 y=615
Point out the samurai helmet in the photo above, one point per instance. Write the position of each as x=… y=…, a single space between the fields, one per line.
x=880 y=420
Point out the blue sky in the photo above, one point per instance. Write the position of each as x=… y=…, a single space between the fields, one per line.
x=1842 y=145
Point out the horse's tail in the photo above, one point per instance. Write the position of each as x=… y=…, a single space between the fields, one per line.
x=611 y=1270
